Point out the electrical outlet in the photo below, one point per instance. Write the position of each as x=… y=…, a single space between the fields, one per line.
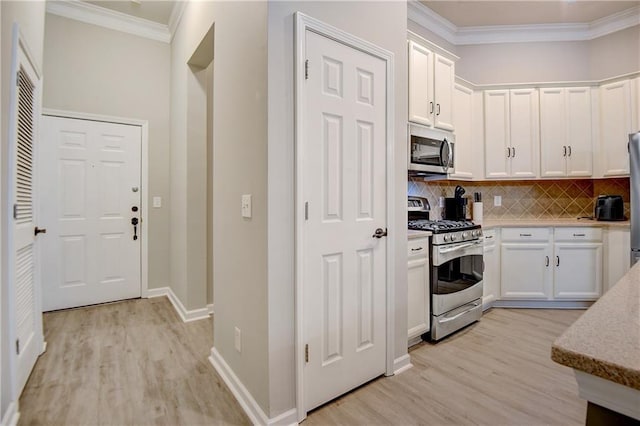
x=238 y=340
x=246 y=205
x=497 y=201
x=157 y=202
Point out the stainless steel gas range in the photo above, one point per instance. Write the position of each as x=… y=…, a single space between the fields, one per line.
x=456 y=264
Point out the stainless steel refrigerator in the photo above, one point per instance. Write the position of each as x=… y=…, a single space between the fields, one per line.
x=634 y=159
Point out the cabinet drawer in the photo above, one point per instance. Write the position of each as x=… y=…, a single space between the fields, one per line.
x=526 y=234
x=418 y=247
x=489 y=238
x=578 y=234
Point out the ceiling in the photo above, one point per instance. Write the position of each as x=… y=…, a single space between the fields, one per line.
x=485 y=13
x=153 y=10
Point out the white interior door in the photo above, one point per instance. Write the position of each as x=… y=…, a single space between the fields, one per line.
x=90 y=189
x=23 y=259
x=344 y=183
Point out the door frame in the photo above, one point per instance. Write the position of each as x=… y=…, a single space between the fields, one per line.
x=144 y=177
x=304 y=23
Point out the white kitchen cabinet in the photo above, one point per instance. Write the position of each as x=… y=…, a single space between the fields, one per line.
x=491 y=274
x=418 y=308
x=565 y=132
x=615 y=126
x=617 y=255
x=463 y=117
x=431 y=80
x=525 y=271
x=511 y=133
x=577 y=263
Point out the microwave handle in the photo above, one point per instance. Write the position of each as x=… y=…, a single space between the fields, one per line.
x=446 y=162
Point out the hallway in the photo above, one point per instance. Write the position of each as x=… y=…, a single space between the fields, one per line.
x=130 y=362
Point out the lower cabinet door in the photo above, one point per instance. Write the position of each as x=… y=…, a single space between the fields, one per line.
x=577 y=270
x=418 y=308
x=526 y=271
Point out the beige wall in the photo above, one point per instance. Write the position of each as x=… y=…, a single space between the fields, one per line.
x=30 y=18
x=615 y=54
x=362 y=19
x=239 y=167
x=95 y=70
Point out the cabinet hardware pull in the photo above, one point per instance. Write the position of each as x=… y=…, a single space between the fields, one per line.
x=438 y=106
x=569 y=150
x=546 y=260
x=579 y=235
x=514 y=152
x=508 y=152
x=488 y=237
x=416 y=249
x=564 y=151
x=431 y=105
x=525 y=235
x=557 y=260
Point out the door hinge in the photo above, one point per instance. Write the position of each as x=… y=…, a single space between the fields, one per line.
x=17 y=346
x=306 y=69
x=15 y=211
x=306 y=210
x=306 y=353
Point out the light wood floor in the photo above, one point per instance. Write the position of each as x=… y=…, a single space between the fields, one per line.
x=496 y=372
x=135 y=362
x=127 y=363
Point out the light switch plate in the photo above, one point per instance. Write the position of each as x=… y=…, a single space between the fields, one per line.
x=157 y=202
x=246 y=205
x=237 y=339
x=497 y=201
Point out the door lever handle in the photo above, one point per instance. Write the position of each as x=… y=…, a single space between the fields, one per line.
x=134 y=222
x=37 y=231
x=380 y=233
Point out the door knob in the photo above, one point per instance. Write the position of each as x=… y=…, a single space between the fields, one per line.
x=37 y=231
x=134 y=222
x=379 y=233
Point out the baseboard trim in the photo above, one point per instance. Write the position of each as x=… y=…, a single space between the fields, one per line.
x=183 y=313
x=402 y=364
x=541 y=304
x=11 y=416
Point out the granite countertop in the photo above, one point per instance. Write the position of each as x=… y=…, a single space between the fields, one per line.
x=605 y=340
x=552 y=222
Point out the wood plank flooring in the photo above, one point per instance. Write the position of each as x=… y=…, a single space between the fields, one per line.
x=136 y=363
x=495 y=372
x=127 y=363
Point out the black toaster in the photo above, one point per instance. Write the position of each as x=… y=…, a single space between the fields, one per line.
x=609 y=207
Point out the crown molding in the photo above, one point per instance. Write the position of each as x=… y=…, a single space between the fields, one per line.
x=111 y=19
x=427 y=18
x=176 y=16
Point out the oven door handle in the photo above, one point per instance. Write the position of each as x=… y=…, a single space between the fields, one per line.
x=444 y=250
x=475 y=305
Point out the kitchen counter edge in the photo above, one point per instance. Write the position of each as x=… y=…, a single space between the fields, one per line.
x=489 y=224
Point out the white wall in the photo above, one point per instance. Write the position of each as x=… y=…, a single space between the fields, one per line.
x=96 y=70
x=384 y=24
x=30 y=18
x=239 y=167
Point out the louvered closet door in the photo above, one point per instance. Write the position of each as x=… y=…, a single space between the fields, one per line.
x=24 y=273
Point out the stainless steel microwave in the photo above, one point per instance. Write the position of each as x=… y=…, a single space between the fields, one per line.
x=430 y=150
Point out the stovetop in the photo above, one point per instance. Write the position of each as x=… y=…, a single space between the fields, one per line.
x=442 y=226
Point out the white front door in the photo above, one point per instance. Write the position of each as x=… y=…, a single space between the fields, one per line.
x=344 y=184
x=90 y=190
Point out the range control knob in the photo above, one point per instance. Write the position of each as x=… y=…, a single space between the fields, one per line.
x=453 y=237
x=465 y=235
x=445 y=238
x=474 y=233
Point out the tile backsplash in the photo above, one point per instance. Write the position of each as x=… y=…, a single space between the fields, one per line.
x=538 y=199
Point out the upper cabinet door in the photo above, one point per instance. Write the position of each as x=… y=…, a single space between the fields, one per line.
x=525 y=138
x=553 y=132
x=463 y=120
x=496 y=131
x=615 y=126
x=444 y=80
x=579 y=138
x=421 y=102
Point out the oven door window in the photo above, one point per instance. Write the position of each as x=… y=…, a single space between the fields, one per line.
x=457 y=274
